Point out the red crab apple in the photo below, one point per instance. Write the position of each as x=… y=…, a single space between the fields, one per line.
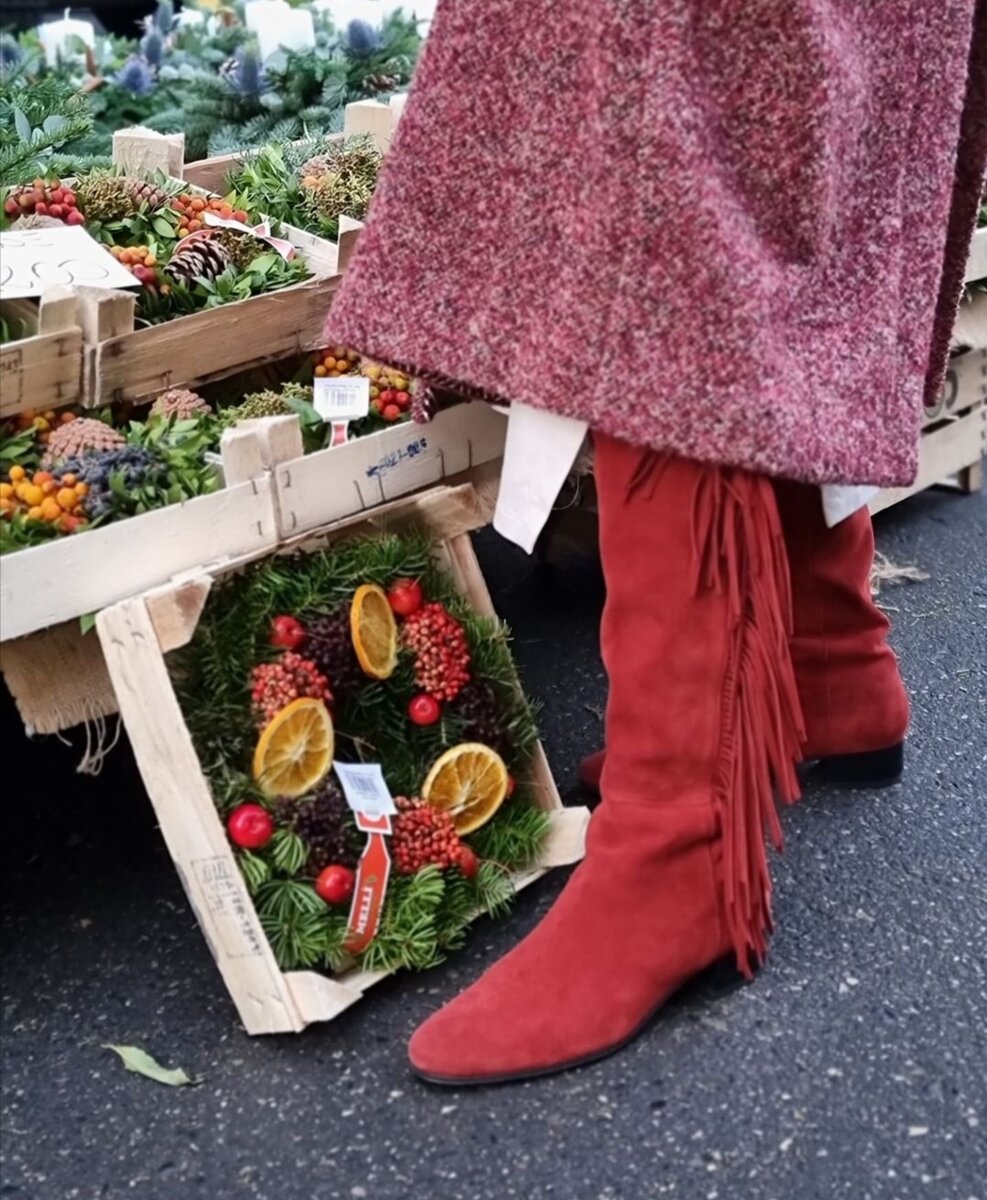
x=250 y=826
x=335 y=884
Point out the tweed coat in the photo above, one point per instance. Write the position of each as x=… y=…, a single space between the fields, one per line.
x=731 y=229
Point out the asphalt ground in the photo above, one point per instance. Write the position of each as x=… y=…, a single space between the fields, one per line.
x=854 y=1066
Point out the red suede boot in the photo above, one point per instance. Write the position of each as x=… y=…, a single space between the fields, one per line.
x=702 y=721
x=853 y=698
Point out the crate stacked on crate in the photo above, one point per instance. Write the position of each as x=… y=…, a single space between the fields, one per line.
x=270 y=863
x=41 y=353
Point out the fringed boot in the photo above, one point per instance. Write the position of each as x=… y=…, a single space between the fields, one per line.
x=703 y=726
x=853 y=699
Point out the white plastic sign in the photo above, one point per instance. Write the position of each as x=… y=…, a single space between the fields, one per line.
x=40 y=258
x=346 y=398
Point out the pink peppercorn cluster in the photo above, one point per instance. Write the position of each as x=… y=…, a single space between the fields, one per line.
x=423 y=836
x=442 y=652
x=275 y=685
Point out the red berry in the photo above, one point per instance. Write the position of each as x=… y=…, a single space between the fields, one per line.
x=287 y=632
x=250 y=826
x=468 y=862
x=75 y=218
x=41 y=209
x=68 y=199
x=11 y=206
x=402 y=400
x=405 y=596
x=57 y=194
x=56 y=210
x=511 y=785
x=391 y=412
x=335 y=884
x=424 y=710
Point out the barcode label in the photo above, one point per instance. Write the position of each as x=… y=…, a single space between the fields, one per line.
x=364 y=788
x=344 y=399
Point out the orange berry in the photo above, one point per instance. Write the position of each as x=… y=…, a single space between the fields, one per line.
x=150 y=260
x=67 y=498
x=42 y=477
x=194 y=226
x=240 y=215
x=7 y=506
x=6 y=491
x=51 y=510
x=34 y=513
x=197 y=204
x=17 y=474
x=81 y=489
x=320 y=371
x=69 y=480
x=50 y=487
x=66 y=417
x=68 y=523
x=31 y=494
x=226 y=211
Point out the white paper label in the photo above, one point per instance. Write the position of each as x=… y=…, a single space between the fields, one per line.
x=40 y=258
x=364 y=788
x=344 y=399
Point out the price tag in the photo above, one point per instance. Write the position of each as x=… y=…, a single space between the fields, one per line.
x=344 y=399
x=365 y=790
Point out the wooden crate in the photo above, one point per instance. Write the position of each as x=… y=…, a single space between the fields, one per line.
x=43 y=369
x=954 y=434
x=343 y=481
x=135 y=636
x=68 y=577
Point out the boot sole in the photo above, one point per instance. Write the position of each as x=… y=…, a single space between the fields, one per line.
x=722 y=975
x=871 y=769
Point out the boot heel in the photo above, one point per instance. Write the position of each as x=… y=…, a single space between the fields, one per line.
x=874 y=768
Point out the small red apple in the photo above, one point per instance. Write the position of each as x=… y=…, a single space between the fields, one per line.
x=335 y=884
x=424 y=710
x=250 y=826
x=405 y=596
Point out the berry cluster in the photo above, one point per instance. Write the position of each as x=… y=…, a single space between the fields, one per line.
x=423 y=836
x=43 y=199
x=43 y=423
x=191 y=210
x=132 y=466
x=274 y=685
x=442 y=652
x=44 y=497
x=142 y=264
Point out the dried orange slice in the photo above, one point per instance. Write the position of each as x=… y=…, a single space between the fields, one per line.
x=374 y=631
x=469 y=782
x=295 y=749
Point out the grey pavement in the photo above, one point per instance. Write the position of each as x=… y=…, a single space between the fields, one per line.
x=854 y=1066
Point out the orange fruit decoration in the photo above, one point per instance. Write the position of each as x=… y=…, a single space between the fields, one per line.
x=374 y=631
x=470 y=783
x=295 y=750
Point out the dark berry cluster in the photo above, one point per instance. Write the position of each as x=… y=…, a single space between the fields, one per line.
x=275 y=684
x=329 y=644
x=479 y=710
x=325 y=824
x=423 y=836
x=108 y=473
x=442 y=656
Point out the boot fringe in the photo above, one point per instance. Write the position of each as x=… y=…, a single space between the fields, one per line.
x=739 y=552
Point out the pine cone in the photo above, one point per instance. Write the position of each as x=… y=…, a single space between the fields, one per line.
x=330 y=646
x=115 y=197
x=77 y=438
x=242 y=248
x=203 y=258
x=324 y=823
x=181 y=404
x=477 y=707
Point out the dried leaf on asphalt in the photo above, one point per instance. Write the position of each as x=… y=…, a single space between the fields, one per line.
x=135 y=1059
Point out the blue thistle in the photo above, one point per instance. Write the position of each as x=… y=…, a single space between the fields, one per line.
x=246 y=74
x=164 y=16
x=135 y=77
x=10 y=52
x=153 y=46
x=361 y=39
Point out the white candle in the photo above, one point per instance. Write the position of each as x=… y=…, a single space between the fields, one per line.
x=55 y=35
x=264 y=13
x=290 y=30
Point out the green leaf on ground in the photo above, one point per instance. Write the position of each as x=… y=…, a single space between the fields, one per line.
x=135 y=1059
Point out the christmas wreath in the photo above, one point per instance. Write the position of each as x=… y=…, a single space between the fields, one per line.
x=362 y=653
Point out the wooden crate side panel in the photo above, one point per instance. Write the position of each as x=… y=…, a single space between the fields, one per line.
x=965 y=385
x=976 y=267
x=41 y=372
x=943 y=452
x=209 y=345
x=369 y=471
x=189 y=822
x=108 y=564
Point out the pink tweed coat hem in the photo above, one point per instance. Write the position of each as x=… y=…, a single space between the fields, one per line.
x=731 y=229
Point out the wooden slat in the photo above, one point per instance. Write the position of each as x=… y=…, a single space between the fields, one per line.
x=209 y=345
x=331 y=485
x=44 y=369
x=189 y=822
x=66 y=578
x=943 y=452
